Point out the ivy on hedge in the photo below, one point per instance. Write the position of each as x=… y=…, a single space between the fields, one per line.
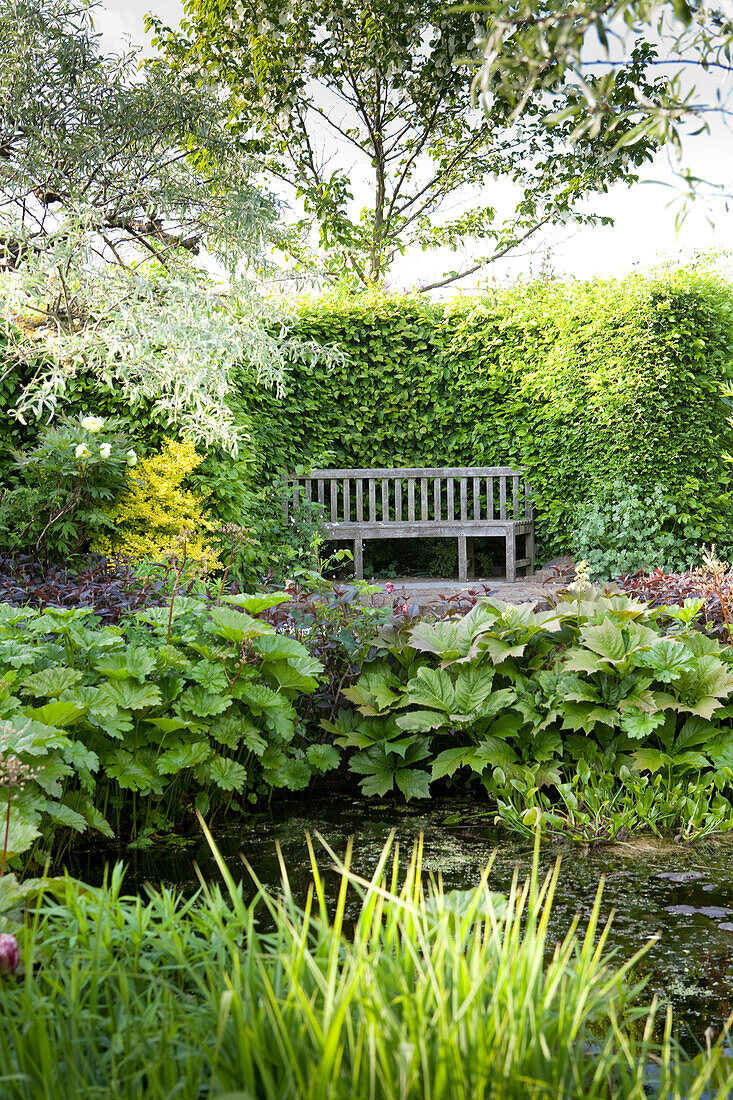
x=583 y=384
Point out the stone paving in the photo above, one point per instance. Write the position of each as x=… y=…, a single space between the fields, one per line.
x=428 y=592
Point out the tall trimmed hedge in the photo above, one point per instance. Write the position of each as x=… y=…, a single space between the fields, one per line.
x=583 y=384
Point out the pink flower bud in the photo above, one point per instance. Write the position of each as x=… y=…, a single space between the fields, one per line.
x=9 y=953
x=405 y=609
x=389 y=588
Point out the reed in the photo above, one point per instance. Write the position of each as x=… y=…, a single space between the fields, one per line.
x=391 y=989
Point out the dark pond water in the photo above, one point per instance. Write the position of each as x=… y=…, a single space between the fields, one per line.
x=685 y=892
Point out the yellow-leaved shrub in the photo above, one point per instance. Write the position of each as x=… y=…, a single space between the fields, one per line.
x=155 y=511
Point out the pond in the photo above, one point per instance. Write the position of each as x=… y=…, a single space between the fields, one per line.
x=685 y=892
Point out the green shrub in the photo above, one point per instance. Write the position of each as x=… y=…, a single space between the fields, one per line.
x=562 y=715
x=129 y=727
x=460 y=995
x=63 y=489
x=625 y=529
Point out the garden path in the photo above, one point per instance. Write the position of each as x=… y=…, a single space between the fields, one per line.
x=428 y=592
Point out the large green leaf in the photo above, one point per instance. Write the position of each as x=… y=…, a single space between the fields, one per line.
x=473 y=688
x=129 y=771
x=606 y=639
x=261 y=698
x=129 y=695
x=184 y=754
x=27 y=736
x=64 y=815
x=277 y=647
x=413 y=782
x=432 y=688
x=374 y=692
x=167 y=725
x=421 y=721
x=298 y=674
x=202 y=703
x=668 y=658
x=639 y=724
x=450 y=760
x=211 y=676
x=448 y=640
x=323 y=758
x=134 y=662
x=254 y=604
x=50 y=682
x=226 y=773
x=24 y=829
x=49 y=773
x=59 y=713
x=235 y=626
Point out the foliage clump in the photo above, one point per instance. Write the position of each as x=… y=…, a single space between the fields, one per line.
x=63 y=487
x=581 y=384
x=595 y=718
x=156 y=513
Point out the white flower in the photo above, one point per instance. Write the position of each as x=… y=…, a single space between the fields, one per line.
x=105 y=450
x=131 y=458
x=82 y=451
x=92 y=423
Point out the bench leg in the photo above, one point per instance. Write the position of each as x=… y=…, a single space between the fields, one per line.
x=462 y=559
x=511 y=569
x=359 y=559
x=530 y=553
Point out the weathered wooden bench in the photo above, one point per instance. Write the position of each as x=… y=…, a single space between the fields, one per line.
x=415 y=502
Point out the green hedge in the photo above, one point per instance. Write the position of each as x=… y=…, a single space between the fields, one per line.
x=584 y=384
x=587 y=385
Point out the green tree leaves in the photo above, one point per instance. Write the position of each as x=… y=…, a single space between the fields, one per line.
x=385 y=89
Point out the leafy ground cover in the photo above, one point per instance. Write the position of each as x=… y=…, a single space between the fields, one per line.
x=593 y=718
x=127 y=727
x=448 y=994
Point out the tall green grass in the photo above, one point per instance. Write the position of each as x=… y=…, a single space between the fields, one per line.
x=423 y=994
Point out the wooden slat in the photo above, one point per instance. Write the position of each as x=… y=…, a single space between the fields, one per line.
x=307 y=489
x=334 y=502
x=527 y=502
x=436 y=500
x=321 y=491
x=515 y=497
x=464 y=499
x=296 y=494
x=449 y=499
x=477 y=498
x=398 y=499
x=502 y=498
x=410 y=499
x=489 y=498
x=372 y=500
x=347 y=499
x=359 y=500
x=385 y=500
x=417 y=471
x=423 y=498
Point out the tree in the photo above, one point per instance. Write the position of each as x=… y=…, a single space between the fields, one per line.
x=111 y=181
x=593 y=44
x=334 y=93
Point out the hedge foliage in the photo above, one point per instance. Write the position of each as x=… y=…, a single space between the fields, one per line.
x=589 y=386
x=583 y=384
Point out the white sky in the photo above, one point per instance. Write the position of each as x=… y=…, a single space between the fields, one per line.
x=644 y=232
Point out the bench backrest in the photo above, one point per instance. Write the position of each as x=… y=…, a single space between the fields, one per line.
x=437 y=494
